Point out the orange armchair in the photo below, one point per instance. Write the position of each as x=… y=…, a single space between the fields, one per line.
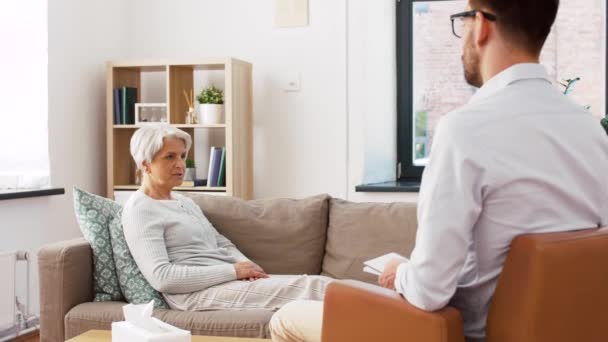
x=553 y=288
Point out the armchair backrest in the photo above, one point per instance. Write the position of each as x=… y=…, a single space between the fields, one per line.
x=554 y=287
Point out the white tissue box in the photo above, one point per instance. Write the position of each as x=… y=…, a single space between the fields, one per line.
x=127 y=332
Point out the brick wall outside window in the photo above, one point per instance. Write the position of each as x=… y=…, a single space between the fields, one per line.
x=575 y=48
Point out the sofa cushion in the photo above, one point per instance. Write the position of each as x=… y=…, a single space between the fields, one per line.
x=246 y=323
x=115 y=268
x=283 y=236
x=361 y=231
x=94 y=214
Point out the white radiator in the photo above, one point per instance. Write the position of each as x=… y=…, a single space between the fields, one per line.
x=7 y=289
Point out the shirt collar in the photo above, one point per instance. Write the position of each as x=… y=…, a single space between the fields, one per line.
x=517 y=72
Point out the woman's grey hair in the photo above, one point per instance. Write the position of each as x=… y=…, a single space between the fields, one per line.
x=148 y=140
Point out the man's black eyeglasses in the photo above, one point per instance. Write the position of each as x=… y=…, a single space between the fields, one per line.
x=458 y=20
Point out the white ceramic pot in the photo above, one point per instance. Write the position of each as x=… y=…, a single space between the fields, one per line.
x=190 y=174
x=210 y=114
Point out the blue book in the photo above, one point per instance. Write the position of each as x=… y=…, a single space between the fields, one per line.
x=117 y=105
x=215 y=167
x=123 y=105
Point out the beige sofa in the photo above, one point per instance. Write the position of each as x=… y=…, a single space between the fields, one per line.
x=317 y=235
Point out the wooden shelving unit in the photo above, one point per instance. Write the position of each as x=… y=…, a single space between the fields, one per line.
x=179 y=76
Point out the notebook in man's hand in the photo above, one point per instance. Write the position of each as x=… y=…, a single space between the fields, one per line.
x=376 y=266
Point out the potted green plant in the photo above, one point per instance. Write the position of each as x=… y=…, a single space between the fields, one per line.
x=190 y=170
x=605 y=123
x=211 y=108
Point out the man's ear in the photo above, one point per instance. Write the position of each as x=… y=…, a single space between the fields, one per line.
x=482 y=30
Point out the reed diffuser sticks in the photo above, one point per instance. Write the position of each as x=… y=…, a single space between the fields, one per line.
x=190 y=117
x=189 y=98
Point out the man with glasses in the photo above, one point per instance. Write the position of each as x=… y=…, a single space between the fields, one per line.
x=519 y=158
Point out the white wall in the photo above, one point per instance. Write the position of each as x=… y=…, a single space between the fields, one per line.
x=305 y=143
x=299 y=138
x=82 y=36
x=321 y=139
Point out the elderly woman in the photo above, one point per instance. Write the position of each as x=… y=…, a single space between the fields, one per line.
x=178 y=250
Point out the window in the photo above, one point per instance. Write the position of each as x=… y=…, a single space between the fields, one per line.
x=430 y=75
x=24 y=160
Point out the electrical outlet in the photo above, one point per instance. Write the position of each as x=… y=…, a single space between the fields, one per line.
x=291 y=81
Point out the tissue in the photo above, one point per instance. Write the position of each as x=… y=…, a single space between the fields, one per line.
x=140 y=326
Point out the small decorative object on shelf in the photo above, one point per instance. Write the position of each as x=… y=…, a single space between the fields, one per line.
x=190 y=115
x=150 y=112
x=211 y=109
x=604 y=123
x=193 y=183
x=190 y=170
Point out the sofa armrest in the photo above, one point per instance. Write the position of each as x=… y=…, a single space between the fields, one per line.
x=65 y=271
x=356 y=311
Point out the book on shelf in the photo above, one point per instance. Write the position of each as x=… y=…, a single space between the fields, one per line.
x=376 y=266
x=117 y=105
x=214 y=166
x=222 y=172
x=124 y=105
x=210 y=170
x=129 y=98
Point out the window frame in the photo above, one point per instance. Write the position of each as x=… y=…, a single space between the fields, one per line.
x=406 y=170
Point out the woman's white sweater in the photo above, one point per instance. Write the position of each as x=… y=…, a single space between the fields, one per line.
x=175 y=246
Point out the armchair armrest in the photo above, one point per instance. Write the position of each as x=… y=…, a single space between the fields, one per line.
x=66 y=279
x=356 y=311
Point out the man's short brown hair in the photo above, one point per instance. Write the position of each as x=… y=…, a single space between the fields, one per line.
x=526 y=23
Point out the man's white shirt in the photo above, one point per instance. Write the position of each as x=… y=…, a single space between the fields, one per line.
x=519 y=158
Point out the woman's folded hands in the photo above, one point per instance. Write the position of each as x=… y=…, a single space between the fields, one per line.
x=247 y=270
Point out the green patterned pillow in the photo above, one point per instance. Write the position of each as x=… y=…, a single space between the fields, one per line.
x=134 y=286
x=94 y=213
x=126 y=275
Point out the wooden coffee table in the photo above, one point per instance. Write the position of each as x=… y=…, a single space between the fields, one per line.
x=106 y=336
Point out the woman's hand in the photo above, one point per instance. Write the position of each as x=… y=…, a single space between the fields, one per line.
x=248 y=270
